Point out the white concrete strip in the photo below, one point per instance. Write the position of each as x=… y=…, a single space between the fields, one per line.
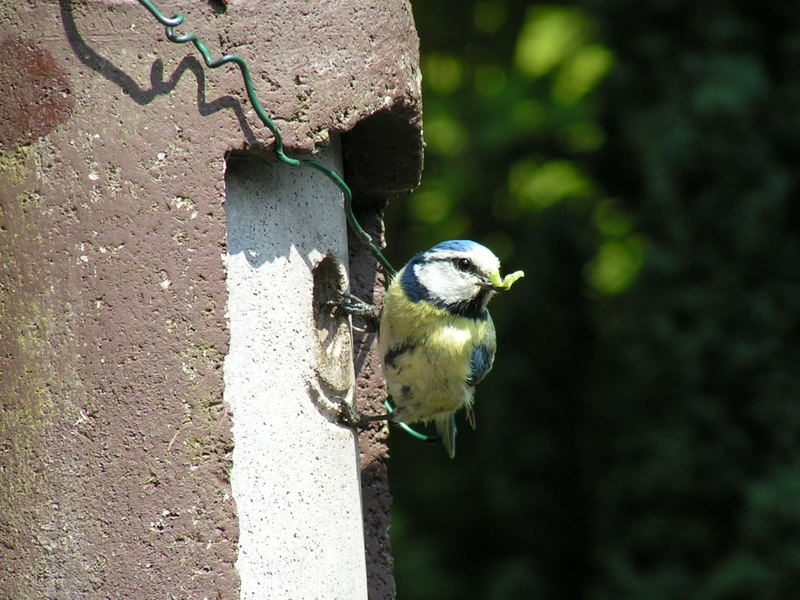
x=295 y=473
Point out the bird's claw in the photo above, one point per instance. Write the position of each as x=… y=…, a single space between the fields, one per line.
x=347 y=415
x=351 y=305
x=354 y=306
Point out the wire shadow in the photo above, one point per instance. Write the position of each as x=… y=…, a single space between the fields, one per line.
x=158 y=85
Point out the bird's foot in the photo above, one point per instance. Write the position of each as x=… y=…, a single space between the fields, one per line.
x=349 y=416
x=355 y=306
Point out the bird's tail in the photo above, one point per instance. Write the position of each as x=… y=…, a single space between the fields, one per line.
x=446 y=426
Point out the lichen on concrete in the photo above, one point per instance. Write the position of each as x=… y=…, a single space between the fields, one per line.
x=37 y=395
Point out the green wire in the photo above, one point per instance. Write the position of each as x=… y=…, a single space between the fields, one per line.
x=177 y=20
x=407 y=428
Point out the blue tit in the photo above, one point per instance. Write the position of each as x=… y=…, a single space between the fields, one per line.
x=436 y=337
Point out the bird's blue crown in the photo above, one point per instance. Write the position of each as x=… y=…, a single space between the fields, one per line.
x=455 y=246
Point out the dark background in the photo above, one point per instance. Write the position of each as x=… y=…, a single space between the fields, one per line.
x=639 y=437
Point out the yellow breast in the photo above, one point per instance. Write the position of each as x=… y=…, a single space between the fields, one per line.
x=429 y=378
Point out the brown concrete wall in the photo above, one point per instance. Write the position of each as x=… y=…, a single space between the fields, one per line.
x=367 y=283
x=114 y=443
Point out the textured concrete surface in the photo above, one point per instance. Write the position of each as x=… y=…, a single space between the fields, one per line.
x=115 y=442
x=367 y=282
x=295 y=472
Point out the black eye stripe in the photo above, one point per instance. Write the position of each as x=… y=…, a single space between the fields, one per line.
x=467 y=266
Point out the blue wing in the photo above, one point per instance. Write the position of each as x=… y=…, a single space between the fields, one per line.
x=480 y=363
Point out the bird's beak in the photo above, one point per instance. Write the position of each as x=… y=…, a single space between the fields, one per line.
x=502 y=284
x=493 y=286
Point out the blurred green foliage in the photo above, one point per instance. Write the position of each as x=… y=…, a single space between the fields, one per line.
x=639 y=436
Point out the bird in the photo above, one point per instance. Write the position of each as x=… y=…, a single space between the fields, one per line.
x=436 y=338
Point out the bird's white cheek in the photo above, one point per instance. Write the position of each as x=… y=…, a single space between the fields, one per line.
x=444 y=283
